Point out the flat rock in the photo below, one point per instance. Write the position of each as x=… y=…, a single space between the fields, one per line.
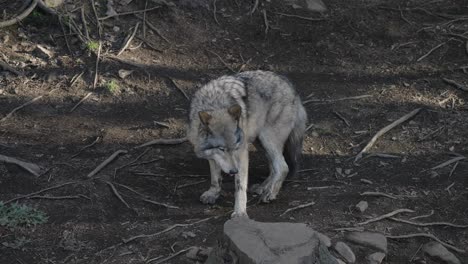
x=438 y=251
x=345 y=251
x=368 y=239
x=375 y=258
x=293 y=243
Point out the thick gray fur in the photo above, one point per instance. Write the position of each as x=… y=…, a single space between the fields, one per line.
x=271 y=111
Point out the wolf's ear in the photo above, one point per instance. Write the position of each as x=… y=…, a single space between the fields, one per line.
x=235 y=111
x=205 y=117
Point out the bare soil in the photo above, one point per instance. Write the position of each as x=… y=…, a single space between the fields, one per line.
x=359 y=48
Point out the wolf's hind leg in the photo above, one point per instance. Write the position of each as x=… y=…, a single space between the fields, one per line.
x=210 y=196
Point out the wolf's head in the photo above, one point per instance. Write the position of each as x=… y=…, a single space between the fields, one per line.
x=223 y=137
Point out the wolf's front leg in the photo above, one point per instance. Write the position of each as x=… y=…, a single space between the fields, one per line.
x=210 y=196
x=241 y=179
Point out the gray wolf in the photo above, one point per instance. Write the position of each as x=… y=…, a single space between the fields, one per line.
x=230 y=112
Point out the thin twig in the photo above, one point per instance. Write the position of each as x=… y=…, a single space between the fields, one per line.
x=163 y=141
x=453 y=170
x=300 y=17
x=171 y=256
x=336 y=100
x=254 y=7
x=40 y=191
x=67 y=43
x=98 y=56
x=106 y=162
x=297 y=208
x=98 y=24
x=144 y=20
x=430 y=51
x=75 y=79
x=83 y=20
x=388 y=215
x=129 y=39
x=385 y=130
x=131 y=162
x=428 y=224
x=19 y=17
x=448 y=162
x=155 y=29
x=166 y=230
x=378 y=194
x=190 y=184
x=116 y=193
x=81 y=101
x=160 y=204
x=214 y=12
x=456 y=84
x=178 y=88
x=221 y=60
x=422 y=216
x=340 y=116
x=46 y=197
x=428 y=235
x=7 y=67
x=20 y=107
x=129 y=13
x=265 y=21
x=30 y=167
x=87 y=146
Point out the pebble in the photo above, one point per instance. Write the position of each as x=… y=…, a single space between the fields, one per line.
x=375 y=258
x=345 y=251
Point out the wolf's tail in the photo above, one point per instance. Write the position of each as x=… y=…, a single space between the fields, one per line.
x=293 y=147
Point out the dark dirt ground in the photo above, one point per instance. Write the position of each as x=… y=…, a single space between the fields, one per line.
x=360 y=48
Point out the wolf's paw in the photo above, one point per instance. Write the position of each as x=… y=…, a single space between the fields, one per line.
x=239 y=215
x=269 y=191
x=209 y=197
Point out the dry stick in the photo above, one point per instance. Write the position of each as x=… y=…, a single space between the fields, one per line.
x=422 y=216
x=428 y=224
x=430 y=51
x=19 y=17
x=75 y=79
x=7 y=67
x=155 y=29
x=385 y=130
x=129 y=13
x=145 y=198
x=378 y=194
x=55 y=197
x=453 y=170
x=429 y=236
x=297 y=207
x=116 y=193
x=378 y=218
x=265 y=20
x=144 y=20
x=129 y=39
x=214 y=12
x=163 y=141
x=178 y=88
x=164 y=175
x=189 y=184
x=221 y=60
x=96 y=74
x=161 y=204
x=87 y=146
x=81 y=101
x=448 y=162
x=336 y=100
x=254 y=7
x=170 y=256
x=98 y=24
x=106 y=162
x=301 y=17
x=30 y=167
x=83 y=20
x=38 y=192
x=166 y=230
x=20 y=107
x=342 y=118
x=456 y=84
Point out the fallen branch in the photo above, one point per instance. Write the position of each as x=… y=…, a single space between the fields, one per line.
x=38 y=192
x=385 y=130
x=81 y=101
x=456 y=84
x=19 y=17
x=378 y=194
x=336 y=100
x=20 y=107
x=106 y=162
x=165 y=230
x=116 y=193
x=448 y=162
x=163 y=141
x=129 y=39
x=427 y=224
x=7 y=67
x=428 y=236
x=398 y=211
x=430 y=51
x=297 y=208
x=170 y=256
x=30 y=167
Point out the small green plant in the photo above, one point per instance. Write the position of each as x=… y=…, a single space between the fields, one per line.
x=92 y=45
x=14 y=215
x=112 y=86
